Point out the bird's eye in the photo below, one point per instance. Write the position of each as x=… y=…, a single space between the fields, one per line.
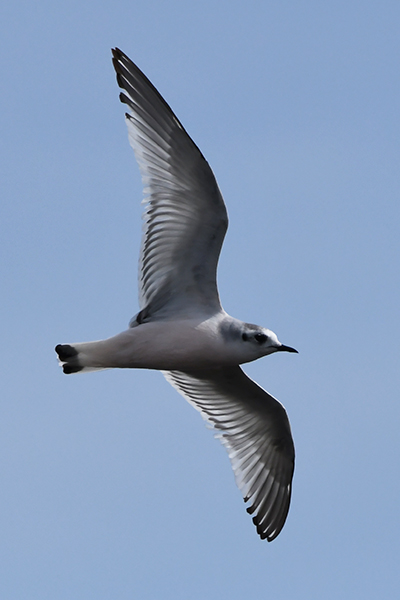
x=245 y=337
x=260 y=337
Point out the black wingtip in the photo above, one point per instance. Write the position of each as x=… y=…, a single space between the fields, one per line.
x=117 y=53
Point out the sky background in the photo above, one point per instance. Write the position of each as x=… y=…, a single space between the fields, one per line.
x=110 y=485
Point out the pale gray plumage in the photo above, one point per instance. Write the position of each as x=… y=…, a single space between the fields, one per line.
x=170 y=279
x=181 y=328
x=255 y=429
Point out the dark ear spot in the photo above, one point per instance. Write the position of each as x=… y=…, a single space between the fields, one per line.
x=245 y=337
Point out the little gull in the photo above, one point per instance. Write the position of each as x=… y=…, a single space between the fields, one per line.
x=181 y=328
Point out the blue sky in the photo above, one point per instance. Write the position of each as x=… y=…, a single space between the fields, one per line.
x=111 y=486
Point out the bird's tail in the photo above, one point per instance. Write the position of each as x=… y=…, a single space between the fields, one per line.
x=76 y=358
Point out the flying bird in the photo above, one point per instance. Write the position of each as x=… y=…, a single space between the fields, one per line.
x=181 y=328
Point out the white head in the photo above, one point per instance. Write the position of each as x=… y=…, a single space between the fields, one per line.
x=252 y=341
x=264 y=340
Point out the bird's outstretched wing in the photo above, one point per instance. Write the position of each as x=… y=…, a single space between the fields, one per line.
x=255 y=429
x=185 y=216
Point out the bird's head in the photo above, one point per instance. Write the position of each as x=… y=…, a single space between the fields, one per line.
x=262 y=341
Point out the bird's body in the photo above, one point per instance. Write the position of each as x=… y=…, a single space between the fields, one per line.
x=181 y=328
x=187 y=344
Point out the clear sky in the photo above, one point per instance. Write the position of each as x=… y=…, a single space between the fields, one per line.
x=110 y=485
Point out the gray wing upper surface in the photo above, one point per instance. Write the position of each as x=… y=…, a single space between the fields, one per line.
x=185 y=217
x=255 y=429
